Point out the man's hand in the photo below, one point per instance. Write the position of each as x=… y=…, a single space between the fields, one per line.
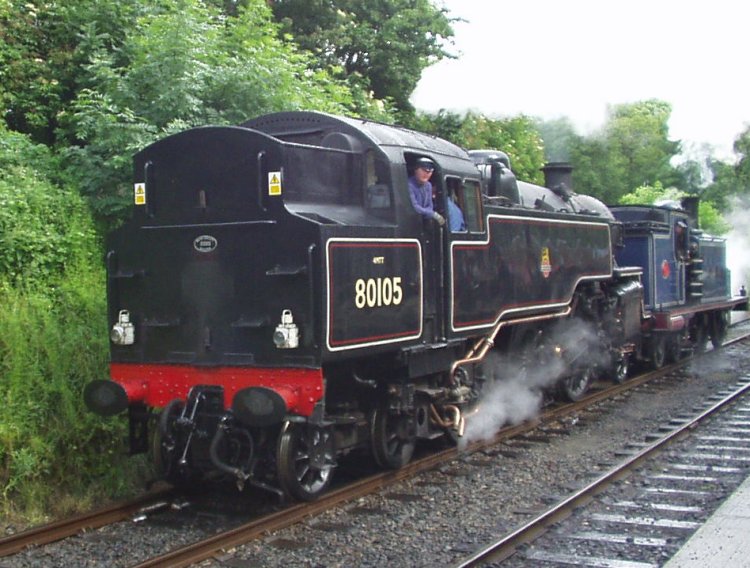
x=439 y=218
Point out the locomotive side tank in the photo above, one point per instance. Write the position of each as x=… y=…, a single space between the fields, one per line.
x=275 y=302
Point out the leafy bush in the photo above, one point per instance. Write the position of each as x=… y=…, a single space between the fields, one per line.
x=188 y=65
x=44 y=230
x=53 y=343
x=52 y=339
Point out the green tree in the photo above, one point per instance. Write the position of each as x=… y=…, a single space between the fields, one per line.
x=631 y=150
x=709 y=218
x=382 y=46
x=188 y=65
x=637 y=135
x=594 y=173
x=45 y=230
x=742 y=168
x=44 y=47
x=731 y=180
x=517 y=136
x=724 y=185
x=655 y=194
x=443 y=124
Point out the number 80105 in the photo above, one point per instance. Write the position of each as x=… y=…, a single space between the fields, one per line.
x=375 y=292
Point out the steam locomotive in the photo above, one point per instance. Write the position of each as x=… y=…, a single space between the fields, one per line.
x=276 y=303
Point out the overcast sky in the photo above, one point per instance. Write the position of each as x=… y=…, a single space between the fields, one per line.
x=572 y=58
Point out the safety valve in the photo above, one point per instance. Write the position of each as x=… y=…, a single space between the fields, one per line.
x=286 y=335
x=123 y=332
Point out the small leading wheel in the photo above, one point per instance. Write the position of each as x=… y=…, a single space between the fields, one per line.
x=166 y=448
x=305 y=460
x=393 y=438
x=573 y=388
x=658 y=352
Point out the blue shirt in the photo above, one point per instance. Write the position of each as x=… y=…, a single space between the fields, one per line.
x=455 y=217
x=421 y=197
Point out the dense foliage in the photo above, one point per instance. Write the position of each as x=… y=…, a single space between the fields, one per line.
x=380 y=46
x=517 y=136
x=83 y=86
x=53 y=338
x=44 y=230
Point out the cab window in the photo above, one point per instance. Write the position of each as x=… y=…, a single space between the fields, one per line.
x=470 y=201
x=680 y=240
x=452 y=209
x=378 y=193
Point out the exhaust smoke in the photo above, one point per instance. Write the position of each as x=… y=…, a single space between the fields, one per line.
x=515 y=386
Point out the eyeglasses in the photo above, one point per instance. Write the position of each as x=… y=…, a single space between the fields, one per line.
x=427 y=168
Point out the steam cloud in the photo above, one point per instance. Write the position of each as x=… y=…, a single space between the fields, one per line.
x=738 y=244
x=516 y=391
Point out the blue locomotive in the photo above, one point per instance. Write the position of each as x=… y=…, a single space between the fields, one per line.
x=276 y=302
x=687 y=296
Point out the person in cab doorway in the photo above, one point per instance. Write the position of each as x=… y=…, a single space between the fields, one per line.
x=420 y=190
x=455 y=217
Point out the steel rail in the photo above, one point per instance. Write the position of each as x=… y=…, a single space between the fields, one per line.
x=45 y=534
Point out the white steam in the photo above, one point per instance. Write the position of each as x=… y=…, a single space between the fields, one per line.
x=515 y=391
x=719 y=363
x=510 y=400
x=738 y=244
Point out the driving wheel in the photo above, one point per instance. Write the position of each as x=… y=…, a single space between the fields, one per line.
x=719 y=324
x=393 y=436
x=620 y=369
x=573 y=388
x=658 y=352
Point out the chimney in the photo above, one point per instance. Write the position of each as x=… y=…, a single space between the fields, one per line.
x=558 y=176
x=690 y=205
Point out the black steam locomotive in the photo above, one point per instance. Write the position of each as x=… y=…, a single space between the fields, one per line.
x=280 y=301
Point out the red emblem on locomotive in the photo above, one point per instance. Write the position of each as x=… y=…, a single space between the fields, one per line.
x=665 y=270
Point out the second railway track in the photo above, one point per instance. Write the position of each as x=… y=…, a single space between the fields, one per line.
x=679 y=480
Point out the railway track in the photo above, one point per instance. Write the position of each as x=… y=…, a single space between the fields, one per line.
x=726 y=432
x=215 y=545
x=293 y=514
x=44 y=534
